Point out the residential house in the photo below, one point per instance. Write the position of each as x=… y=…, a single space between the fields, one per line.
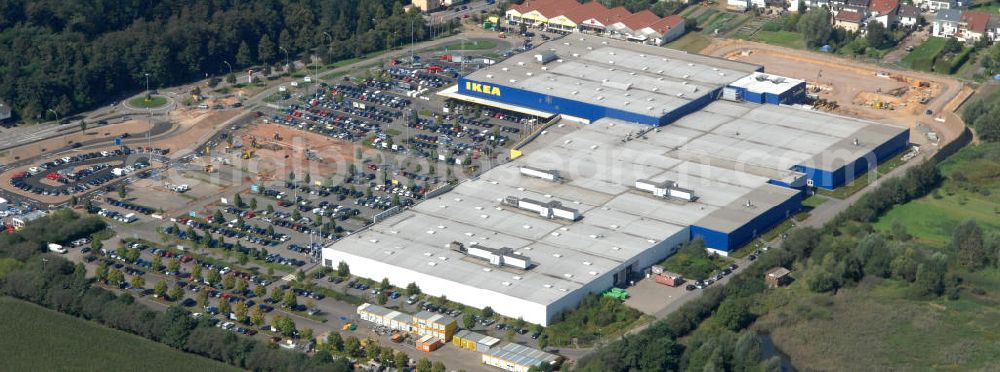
x=5 y=111
x=884 y=12
x=947 y=23
x=848 y=20
x=974 y=26
x=936 y=4
x=993 y=28
x=857 y=6
x=568 y=16
x=909 y=15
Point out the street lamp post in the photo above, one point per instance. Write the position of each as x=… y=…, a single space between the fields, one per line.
x=230 y=67
x=147 y=82
x=286 y=57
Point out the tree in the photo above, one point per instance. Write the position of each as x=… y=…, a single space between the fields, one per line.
x=385 y=284
x=138 y=281
x=241 y=286
x=300 y=276
x=115 y=277
x=240 y=310
x=228 y=282
x=951 y=45
x=289 y=299
x=381 y=298
x=259 y=290
x=343 y=270
x=173 y=265
x=121 y=191
x=437 y=367
x=277 y=294
x=237 y=200
x=176 y=293
x=218 y=218
x=160 y=289
x=243 y=57
x=102 y=271
x=423 y=365
x=253 y=203
x=876 y=35
x=488 y=312
x=213 y=277
x=412 y=289
x=266 y=49
x=202 y=298
x=284 y=324
x=400 y=359
x=468 y=322
x=734 y=314
x=335 y=341
x=157 y=263
x=196 y=273
x=967 y=241
x=257 y=316
x=352 y=347
x=816 y=26
x=225 y=308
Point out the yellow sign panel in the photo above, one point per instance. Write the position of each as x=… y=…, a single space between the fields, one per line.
x=514 y=154
x=482 y=88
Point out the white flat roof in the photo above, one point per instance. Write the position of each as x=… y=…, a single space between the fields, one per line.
x=617 y=74
x=766 y=83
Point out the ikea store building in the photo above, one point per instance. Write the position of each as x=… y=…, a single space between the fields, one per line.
x=644 y=148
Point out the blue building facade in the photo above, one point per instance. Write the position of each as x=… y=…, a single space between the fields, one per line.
x=727 y=241
x=588 y=111
x=793 y=95
x=831 y=179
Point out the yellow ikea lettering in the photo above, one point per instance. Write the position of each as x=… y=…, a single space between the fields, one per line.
x=482 y=88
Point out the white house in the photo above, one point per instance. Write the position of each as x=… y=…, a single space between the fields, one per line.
x=947 y=23
x=909 y=15
x=936 y=4
x=884 y=12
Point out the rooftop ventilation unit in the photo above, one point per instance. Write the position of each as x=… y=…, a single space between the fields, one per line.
x=495 y=256
x=616 y=85
x=551 y=209
x=666 y=189
x=520 y=63
x=545 y=57
x=548 y=175
x=489 y=76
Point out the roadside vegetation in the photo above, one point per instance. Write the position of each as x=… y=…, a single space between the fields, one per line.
x=943 y=55
x=692 y=261
x=597 y=318
x=31 y=331
x=30 y=274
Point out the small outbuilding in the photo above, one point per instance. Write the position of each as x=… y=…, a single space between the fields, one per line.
x=777 y=277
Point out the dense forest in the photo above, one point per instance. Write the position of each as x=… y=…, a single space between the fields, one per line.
x=73 y=55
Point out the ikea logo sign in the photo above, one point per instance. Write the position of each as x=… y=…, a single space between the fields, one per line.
x=482 y=88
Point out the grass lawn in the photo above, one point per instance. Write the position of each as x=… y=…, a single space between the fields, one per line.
x=153 y=102
x=989 y=6
x=469 y=45
x=782 y=38
x=39 y=339
x=927 y=50
x=875 y=327
x=969 y=192
x=691 y=42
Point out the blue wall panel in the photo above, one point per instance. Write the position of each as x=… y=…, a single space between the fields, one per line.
x=759 y=225
x=592 y=112
x=833 y=179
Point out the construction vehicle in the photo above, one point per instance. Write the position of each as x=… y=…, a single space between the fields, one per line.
x=253 y=142
x=247 y=154
x=277 y=137
x=209 y=168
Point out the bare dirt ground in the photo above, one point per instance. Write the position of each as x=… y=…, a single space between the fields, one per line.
x=292 y=150
x=857 y=88
x=191 y=126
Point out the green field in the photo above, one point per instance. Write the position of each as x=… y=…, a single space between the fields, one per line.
x=782 y=38
x=932 y=218
x=863 y=180
x=924 y=52
x=693 y=261
x=691 y=42
x=469 y=45
x=152 y=102
x=38 y=339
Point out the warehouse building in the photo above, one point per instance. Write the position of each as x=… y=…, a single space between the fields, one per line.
x=518 y=358
x=597 y=199
x=586 y=78
x=763 y=88
x=389 y=318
